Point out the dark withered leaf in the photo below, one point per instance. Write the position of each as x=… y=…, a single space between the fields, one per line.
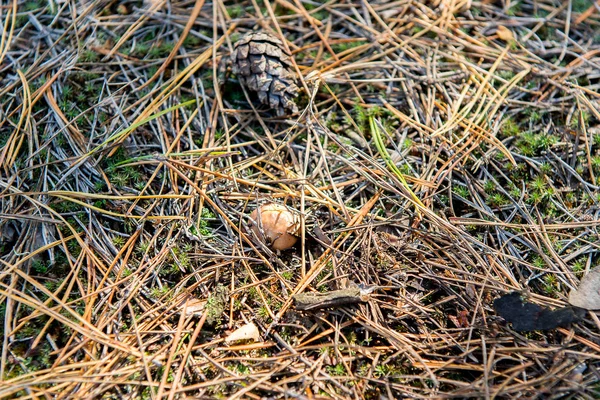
x=526 y=316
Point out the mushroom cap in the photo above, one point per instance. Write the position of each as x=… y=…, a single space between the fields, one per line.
x=277 y=224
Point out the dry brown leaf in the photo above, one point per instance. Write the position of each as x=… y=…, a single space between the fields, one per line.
x=463 y=318
x=587 y=295
x=246 y=332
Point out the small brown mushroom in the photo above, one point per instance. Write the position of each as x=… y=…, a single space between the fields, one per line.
x=277 y=224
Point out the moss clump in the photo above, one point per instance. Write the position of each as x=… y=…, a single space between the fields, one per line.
x=215 y=305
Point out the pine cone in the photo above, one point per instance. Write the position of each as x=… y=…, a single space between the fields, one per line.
x=264 y=66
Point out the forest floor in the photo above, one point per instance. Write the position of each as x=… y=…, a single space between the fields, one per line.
x=444 y=154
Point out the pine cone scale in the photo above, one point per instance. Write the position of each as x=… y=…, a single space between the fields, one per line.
x=242 y=52
x=258 y=48
x=258 y=64
x=244 y=67
x=273 y=67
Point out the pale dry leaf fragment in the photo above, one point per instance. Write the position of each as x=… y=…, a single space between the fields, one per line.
x=387 y=14
x=246 y=332
x=194 y=306
x=504 y=33
x=594 y=130
x=587 y=295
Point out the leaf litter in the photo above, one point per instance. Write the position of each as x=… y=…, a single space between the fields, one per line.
x=132 y=160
